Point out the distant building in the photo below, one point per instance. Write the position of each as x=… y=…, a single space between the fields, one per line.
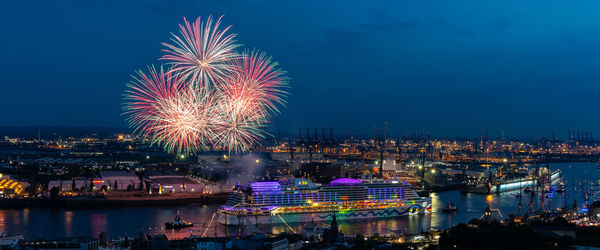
x=120 y=180
x=67 y=185
x=470 y=173
x=300 y=157
x=10 y=187
x=211 y=243
x=390 y=164
x=333 y=236
x=321 y=172
x=164 y=243
x=277 y=243
x=79 y=243
x=261 y=241
x=169 y=182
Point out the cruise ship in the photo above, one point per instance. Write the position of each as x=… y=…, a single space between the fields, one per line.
x=300 y=200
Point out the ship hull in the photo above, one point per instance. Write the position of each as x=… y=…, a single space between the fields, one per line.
x=417 y=207
x=10 y=240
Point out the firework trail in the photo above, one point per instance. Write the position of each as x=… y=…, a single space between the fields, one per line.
x=162 y=109
x=203 y=53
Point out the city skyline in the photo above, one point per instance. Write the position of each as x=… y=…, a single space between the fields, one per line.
x=448 y=68
x=430 y=124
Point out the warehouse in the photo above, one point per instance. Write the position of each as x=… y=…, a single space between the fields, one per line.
x=170 y=183
x=119 y=180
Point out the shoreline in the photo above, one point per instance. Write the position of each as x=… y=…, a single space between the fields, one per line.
x=70 y=203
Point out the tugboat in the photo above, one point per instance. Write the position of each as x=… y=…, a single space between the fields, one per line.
x=450 y=208
x=561 y=187
x=9 y=240
x=178 y=223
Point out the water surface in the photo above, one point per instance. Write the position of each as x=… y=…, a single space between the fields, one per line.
x=51 y=223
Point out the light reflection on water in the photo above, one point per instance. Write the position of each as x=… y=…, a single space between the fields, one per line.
x=51 y=223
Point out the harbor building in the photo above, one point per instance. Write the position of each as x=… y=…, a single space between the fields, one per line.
x=169 y=182
x=119 y=180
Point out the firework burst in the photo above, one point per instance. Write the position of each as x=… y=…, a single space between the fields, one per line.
x=258 y=78
x=162 y=109
x=251 y=90
x=210 y=97
x=203 y=53
x=241 y=124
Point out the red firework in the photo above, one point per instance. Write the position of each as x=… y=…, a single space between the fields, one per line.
x=210 y=97
x=257 y=78
x=165 y=111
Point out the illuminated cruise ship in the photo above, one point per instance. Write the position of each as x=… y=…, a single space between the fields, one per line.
x=300 y=200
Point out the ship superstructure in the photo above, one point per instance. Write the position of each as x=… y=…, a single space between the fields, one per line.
x=300 y=200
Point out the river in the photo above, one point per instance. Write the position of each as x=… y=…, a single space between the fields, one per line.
x=52 y=223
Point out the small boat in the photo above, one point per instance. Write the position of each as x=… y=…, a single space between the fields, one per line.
x=527 y=190
x=178 y=223
x=9 y=240
x=561 y=187
x=450 y=208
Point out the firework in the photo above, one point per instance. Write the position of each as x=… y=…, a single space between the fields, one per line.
x=251 y=90
x=203 y=53
x=241 y=122
x=163 y=110
x=255 y=76
x=211 y=96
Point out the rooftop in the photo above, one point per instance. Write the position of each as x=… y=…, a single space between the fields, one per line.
x=117 y=173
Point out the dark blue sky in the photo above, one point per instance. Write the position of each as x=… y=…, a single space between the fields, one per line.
x=453 y=67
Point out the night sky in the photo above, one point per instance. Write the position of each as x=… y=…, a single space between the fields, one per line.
x=453 y=67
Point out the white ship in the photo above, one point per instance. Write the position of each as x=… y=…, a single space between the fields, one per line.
x=300 y=200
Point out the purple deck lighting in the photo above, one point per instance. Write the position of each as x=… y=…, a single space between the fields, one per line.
x=345 y=181
x=265 y=186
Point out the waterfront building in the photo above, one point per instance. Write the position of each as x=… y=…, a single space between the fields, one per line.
x=77 y=243
x=168 y=182
x=119 y=180
x=10 y=187
x=470 y=173
x=70 y=185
